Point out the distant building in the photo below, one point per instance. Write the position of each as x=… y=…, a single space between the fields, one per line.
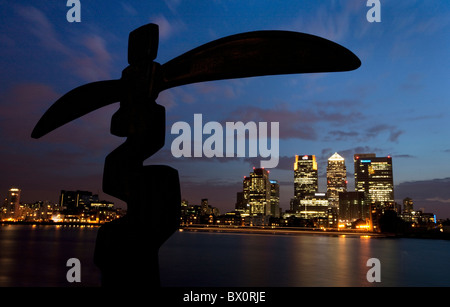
x=257 y=191
x=306 y=181
x=76 y=201
x=274 y=198
x=12 y=204
x=374 y=177
x=241 y=204
x=336 y=179
x=313 y=206
x=408 y=205
x=205 y=207
x=352 y=206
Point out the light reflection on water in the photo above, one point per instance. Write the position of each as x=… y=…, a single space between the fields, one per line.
x=227 y=260
x=37 y=256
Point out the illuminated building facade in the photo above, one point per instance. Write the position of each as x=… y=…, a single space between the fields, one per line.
x=274 y=198
x=76 y=201
x=336 y=179
x=313 y=206
x=373 y=176
x=257 y=191
x=408 y=205
x=306 y=180
x=12 y=204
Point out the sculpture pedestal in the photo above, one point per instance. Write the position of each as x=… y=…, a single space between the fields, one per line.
x=126 y=250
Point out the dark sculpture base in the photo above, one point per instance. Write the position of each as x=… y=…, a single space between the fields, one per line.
x=126 y=250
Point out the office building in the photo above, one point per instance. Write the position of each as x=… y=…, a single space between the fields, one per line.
x=306 y=181
x=76 y=201
x=336 y=179
x=352 y=207
x=408 y=205
x=313 y=206
x=257 y=191
x=12 y=204
x=274 y=198
x=373 y=177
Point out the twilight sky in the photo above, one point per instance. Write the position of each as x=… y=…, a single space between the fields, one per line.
x=397 y=103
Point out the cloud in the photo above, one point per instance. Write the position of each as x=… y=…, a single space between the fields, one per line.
x=338 y=135
x=41 y=27
x=406 y=156
x=439 y=200
x=294 y=124
x=129 y=8
x=433 y=195
x=333 y=20
x=92 y=63
x=173 y=5
x=21 y=107
x=167 y=28
x=394 y=132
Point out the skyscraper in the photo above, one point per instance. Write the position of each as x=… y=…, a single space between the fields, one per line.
x=13 y=203
x=274 y=198
x=353 y=207
x=336 y=178
x=257 y=192
x=374 y=177
x=306 y=181
x=408 y=205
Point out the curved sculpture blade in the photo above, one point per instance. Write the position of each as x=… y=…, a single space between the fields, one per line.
x=78 y=102
x=258 y=53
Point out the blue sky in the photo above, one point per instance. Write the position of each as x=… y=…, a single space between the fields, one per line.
x=397 y=103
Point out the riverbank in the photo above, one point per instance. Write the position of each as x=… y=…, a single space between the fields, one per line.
x=283 y=231
x=425 y=234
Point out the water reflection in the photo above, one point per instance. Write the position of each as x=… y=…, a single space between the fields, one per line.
x=297 y=261
x=37 y=255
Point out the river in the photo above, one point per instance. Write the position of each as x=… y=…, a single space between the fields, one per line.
x=37 y=256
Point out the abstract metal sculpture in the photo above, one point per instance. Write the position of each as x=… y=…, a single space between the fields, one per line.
x=127 y=249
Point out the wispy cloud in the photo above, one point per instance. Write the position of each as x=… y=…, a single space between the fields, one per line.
x=333 y=20
x=394 y=132
x=167 y=28
x=92 y=63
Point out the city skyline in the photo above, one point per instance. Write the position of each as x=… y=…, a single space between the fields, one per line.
x=395 y=104
x=260 y=195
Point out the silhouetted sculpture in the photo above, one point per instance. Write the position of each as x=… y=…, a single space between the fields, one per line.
x=127 y=249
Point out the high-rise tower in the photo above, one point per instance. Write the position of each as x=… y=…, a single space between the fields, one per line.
x=13 y=203
x=257 y=191
x=305 y=176
x=374 y=177
x=336 y=178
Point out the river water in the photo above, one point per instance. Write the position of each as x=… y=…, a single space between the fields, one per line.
x=37 y=256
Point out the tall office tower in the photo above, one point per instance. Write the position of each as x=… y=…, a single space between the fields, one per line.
x=373 y=176
x=13 y=203
x=305 y=176
x=352 y=207
x=205 y=206
x=274 y=198
x=257 y=190
x=336 y=179
x=407 y=205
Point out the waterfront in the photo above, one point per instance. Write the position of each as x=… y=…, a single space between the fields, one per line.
x=37 y=255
